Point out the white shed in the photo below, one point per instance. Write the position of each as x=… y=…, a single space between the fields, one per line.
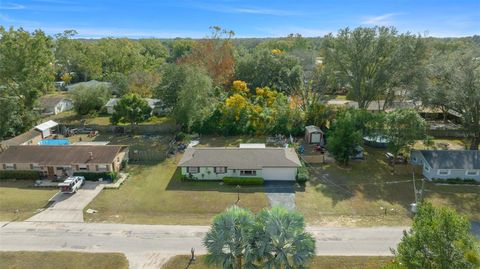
x=46 y=128
x=313 y=135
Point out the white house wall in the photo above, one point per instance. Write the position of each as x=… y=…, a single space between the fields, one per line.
x=279 y=173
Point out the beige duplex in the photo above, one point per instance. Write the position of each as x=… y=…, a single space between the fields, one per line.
x=52 y=161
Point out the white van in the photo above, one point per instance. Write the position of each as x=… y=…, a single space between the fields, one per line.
x=71 y=184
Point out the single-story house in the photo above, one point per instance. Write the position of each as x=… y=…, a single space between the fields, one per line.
x=279 y=164
x=47 y=128
x=154 y=104
x=55 y=104
x=90 y=83
x=448 y=164
x=31 y=137
x=314 y=135
x=54 y=161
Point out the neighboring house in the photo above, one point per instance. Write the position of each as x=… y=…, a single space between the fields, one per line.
x=314 y=135
x=55 y=161
x=55 y=104
x=47 y=128
x=279 y=164
x=154 y=104
x=90 y=83
x=31 y=137
x=448 y=164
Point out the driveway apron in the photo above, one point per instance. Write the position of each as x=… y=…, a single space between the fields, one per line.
x=280 y=193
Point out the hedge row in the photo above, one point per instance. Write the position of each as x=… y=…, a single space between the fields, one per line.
x=303 y=175
x=95 y=176
x=243 y=180
x=18 y=174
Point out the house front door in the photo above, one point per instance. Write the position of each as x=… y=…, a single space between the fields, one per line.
x=51 y=171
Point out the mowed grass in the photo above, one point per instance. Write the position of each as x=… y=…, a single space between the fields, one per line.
x=71 y=117
x=154 y=195
x=367 y=194
x=21 y=196
x=61 y=259
x=318 y=262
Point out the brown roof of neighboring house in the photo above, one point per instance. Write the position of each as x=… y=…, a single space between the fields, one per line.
x=240 y=158
x=61 y=155
x=22 y=138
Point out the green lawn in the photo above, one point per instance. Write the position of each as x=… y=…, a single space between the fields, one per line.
x=22 y=196
x=319 y=262
x=61 y=259
x=153 y=195
x=71 y=117
x=356 y=195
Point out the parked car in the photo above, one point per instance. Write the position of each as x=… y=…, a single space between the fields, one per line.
x=400 y=158
x=71 y=184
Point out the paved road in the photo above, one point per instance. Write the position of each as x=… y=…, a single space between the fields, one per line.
x=147 y=246
x=69 y=207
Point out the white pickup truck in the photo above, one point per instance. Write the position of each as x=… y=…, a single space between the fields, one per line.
x=71 y=184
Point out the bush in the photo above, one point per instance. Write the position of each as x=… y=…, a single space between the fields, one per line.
x=455 y=181
x=243 y=180
x=95 y=176
x=15 y=174
x=303 y=175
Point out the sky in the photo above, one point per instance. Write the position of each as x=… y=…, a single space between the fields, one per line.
x=248 y=18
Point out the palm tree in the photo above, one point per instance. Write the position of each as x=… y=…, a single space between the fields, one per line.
x=228 y=240
x=280 y=240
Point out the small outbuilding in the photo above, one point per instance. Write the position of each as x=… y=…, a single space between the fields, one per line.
x=314 y=135
x=52 y=105
x=46 y=128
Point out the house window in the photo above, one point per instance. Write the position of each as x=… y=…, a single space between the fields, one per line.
x=444 y=172
x=248 y=172
x=59 y=168
x=426 y=168
x=35 y=166
x=10 y=166
x=472 y=173
x=414 y=159
x=82 y=167
x=193 y=169
x=220 y=170
x=102 y=167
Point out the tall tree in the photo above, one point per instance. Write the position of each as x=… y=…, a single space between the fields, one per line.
x=215 y=55
x=131 y=108
x=344 y=137
x=26 y=73
x=89 y=99
x=180 y=48
x=280 y=240
x=264 y=68
x=154 y=52
x=372 y=62
x=173 y=79
x=143 y=82
x=228 y=239
x=439 y=239
x=121 y=55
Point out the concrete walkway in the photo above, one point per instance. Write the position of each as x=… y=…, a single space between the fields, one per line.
x=149 y=246
x=280 y=194
x=69 y=207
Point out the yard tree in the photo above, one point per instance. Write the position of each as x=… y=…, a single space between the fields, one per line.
x=372 y=62
x=266 y=69
x=195 y=98
x=439 y=239
x=343 y=137
x=402 y=128
x=143 y=82
x=455 y=85
x=26 y=73
x=154 y=52
x=228 y=240
x=131 y=108
x=120 y=55
x=173 y=79
x=89 y=99
x=280 y=241
x=120 y=83
x=215 y=55
x=180 y=48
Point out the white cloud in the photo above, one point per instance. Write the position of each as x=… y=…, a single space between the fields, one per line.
x=385 y=19
x=247 y=10
x=11 y=6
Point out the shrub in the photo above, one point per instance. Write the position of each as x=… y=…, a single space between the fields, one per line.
x=303 y=175
x=15 y=174
x=243 y=180
x=456 y=181
x=95 y=176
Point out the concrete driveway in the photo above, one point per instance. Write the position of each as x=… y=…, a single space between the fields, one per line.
x=280 y=193
x=69 y=207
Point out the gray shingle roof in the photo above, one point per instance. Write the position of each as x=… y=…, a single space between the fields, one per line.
x=452 y=159
x=240 y=158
